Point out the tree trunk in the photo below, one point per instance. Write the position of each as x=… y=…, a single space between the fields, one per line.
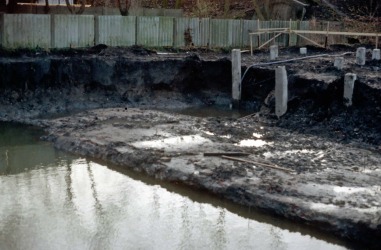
x=124 y=10
x=47 y=7
x=178 y=4
x=226 y=7
x=72 y=10
x=258 y=10
x=164 y=4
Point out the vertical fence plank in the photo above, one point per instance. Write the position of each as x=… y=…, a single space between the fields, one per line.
x=2 y=29
x=73 y=31
x=204 y=36
x=218 y=33
x=181 y=27
x=304 y=25
x=265 y=25
x=86 y=31
x=235 y=34
x=116 y=30
x=294 y=38
x=249 y=26
x=148 y=31
x=283 y=40
x=165 y=31
x=26 y=31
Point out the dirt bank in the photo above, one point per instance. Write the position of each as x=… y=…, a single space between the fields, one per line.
x=331 y=186
x=331 y=153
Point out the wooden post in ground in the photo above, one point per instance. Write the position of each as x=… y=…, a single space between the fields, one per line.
x=339 y=63
x=376 y=54
x=360 y=56
x=349 y=83
x=274 y=52
x=259 y=36
x=236 y=77
x=281 y=91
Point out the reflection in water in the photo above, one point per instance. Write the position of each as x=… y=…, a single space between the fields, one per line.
x=71 y=203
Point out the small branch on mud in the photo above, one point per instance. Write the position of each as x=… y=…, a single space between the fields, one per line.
x=227 y=154
x=257 y=163
x=247 y=116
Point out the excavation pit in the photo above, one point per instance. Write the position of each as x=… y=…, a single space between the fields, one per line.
x=328 y=155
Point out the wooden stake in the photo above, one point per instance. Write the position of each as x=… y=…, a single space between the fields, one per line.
x=257 y=163
x=326 y=36
x=269 y=41
x=226 y=153
x=259 y=36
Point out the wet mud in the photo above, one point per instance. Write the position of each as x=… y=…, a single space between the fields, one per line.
x=104 y=103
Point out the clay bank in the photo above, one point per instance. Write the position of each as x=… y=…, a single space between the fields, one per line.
x=319 y=164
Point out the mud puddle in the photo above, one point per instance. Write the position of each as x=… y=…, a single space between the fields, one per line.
x=80 y=203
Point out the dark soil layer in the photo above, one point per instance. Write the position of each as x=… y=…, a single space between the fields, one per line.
x=333 y=151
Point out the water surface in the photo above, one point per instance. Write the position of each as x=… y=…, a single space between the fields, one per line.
x=53 y=200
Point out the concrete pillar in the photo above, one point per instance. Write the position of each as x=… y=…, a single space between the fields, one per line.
x=339 y=63
x=376 y=54
x=274 y=52
x=303 y=51
x=360 y=56
x=236 y=77
x=281 y=91
x=349 y=83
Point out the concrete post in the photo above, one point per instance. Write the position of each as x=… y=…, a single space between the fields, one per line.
x=281 y=91
x=349 y=83
x=236 y=77
x=274 y=52
x=376 y=54
x=303 y=51
x=339 y=63
x=360 y=56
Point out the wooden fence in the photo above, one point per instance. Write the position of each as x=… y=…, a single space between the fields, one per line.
x=63 y=31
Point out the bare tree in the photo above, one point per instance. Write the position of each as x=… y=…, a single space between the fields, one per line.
x=164 y=3
x=124 y=9
x=226 y=6
x=72 y=8
x=178 y=4
x=262 y=10
x=47 y=7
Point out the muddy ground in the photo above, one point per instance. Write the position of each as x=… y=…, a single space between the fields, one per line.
x=330 y=154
